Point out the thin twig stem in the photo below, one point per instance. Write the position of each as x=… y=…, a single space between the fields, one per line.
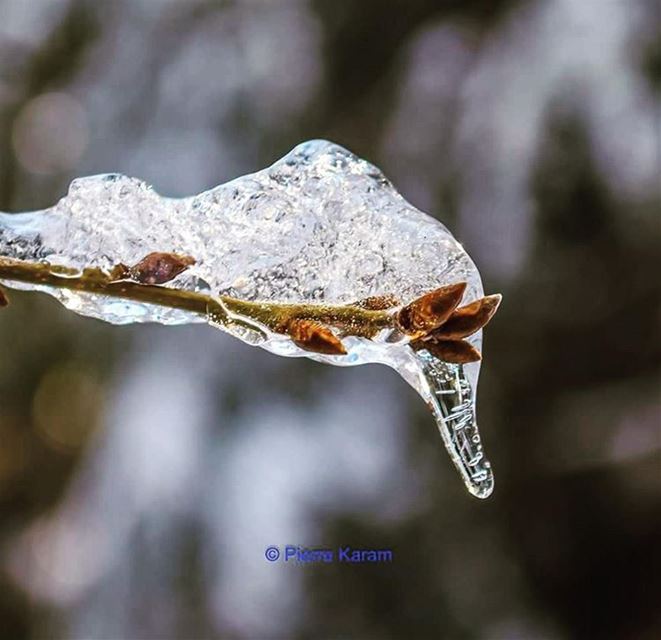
x=353 y=320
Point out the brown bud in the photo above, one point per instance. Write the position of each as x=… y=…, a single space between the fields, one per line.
x=431 y=310
x=157 y=267
x=454 y=351
x=312 y=336
x=469 y=319
x=119 y=272
x=377 y=303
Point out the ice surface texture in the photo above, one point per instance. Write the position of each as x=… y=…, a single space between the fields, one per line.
x=320 y=226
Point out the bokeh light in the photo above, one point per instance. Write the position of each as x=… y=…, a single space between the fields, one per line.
x=50 y=133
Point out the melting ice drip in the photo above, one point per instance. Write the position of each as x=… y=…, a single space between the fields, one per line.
x=320 y=226
x=452 y=402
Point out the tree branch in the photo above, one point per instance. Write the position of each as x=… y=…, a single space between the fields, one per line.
x=433 y=322
x=353 y=320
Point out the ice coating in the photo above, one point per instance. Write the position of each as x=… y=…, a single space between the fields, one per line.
x=319 y=226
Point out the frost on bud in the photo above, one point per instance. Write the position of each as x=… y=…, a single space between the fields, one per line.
x=454 y=351
x=312 y=336
x=431 y=310
x=467 y=320
x=377 y=303
x=446 y=341
x=158 y=268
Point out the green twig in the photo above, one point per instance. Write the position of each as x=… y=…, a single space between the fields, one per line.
x=352 y=320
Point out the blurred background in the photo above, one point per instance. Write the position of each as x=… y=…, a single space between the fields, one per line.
x=144 y=470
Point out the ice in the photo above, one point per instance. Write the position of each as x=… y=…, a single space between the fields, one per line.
x=320 y=226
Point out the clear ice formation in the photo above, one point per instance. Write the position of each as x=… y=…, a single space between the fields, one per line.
x=319 y=226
